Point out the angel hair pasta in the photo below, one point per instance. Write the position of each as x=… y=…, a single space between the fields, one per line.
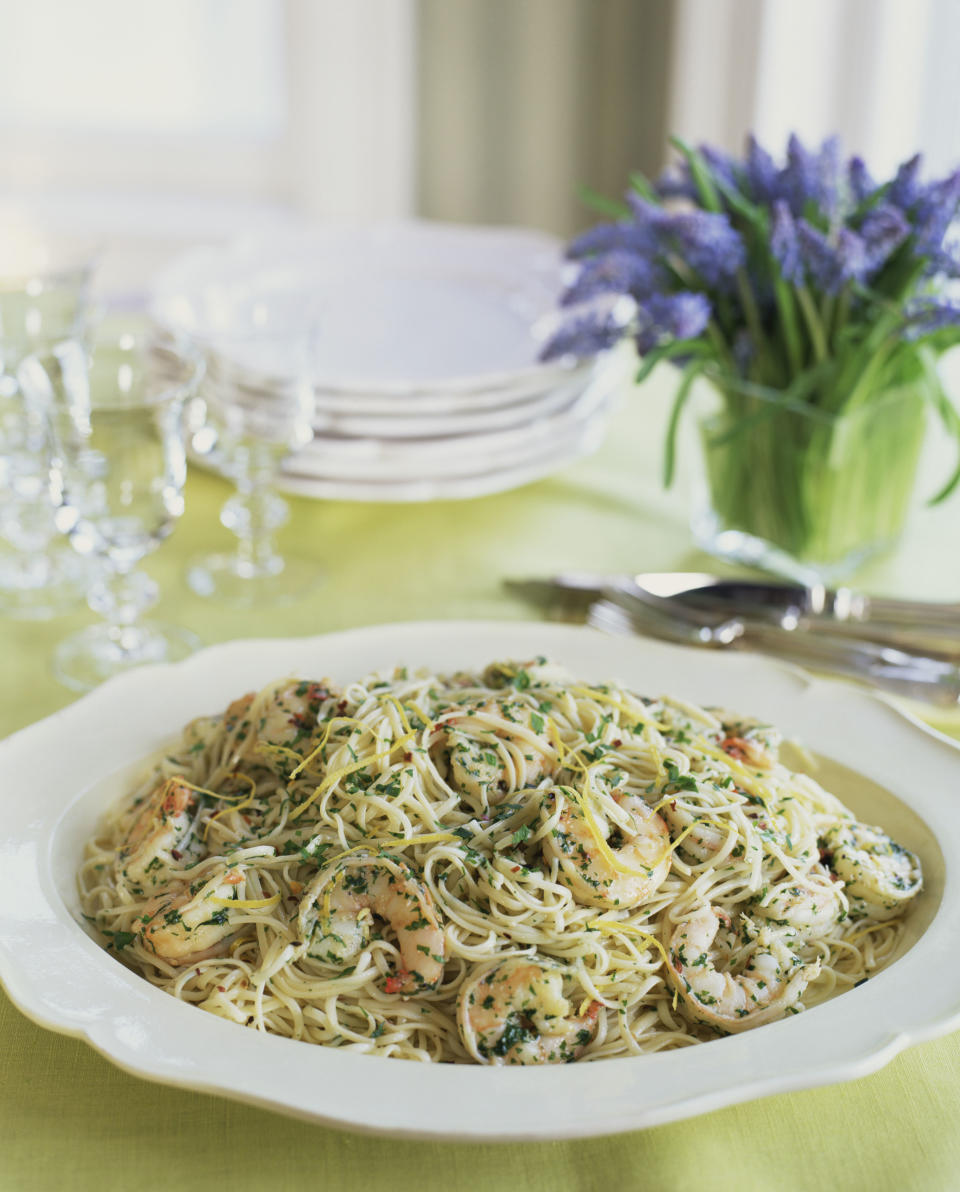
x=510 y=867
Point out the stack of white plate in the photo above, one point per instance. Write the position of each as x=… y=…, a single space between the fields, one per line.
x=428 y=384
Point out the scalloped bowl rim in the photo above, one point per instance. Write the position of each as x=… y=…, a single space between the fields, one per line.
x=62 y=979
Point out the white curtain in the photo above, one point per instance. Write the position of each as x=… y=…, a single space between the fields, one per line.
x=880 y=73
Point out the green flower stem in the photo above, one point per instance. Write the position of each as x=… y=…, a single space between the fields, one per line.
x=723 y=357
x=820 y=490
x=788 y=325
x=841 y=313
x=812 y=319
x=750 y=310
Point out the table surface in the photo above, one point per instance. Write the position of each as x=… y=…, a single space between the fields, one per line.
x=68 y=1118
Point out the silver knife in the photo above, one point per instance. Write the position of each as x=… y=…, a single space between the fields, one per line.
x=918 y=676
x=843 y=610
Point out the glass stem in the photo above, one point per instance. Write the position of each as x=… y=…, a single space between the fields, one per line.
x=255 y=512
x=121 y=596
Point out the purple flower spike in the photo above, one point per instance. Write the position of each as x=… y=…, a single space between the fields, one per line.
x=858 y=176
x=584 y=334
x=675 y=183
x=906 y=189
x=645 y=213
x=671 y=316
x=934 y=212
x=616 y=272
x=607 y=237
x=722 y=165
x=707 y=243
x=883 y=230
x=926 y=315
x=828 y=175
x=785 y=245
x=811 y=177
x=799 y=180
x=830 y=266
x=762 y=175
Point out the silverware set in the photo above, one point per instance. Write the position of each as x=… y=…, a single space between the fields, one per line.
x=907 y=648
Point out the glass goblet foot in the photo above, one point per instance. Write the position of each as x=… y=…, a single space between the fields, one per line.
x=85 y=659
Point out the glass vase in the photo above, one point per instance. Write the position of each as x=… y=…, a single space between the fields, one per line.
x=805 y=492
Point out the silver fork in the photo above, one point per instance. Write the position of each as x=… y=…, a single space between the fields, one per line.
x=899 y=672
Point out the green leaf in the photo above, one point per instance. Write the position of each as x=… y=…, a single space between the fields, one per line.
x=701 y=175
x=691 y=372
x=641 y=185
x=679 y=347
x=742 y=206
x=605 y=206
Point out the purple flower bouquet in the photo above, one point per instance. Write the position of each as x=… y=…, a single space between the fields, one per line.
x=816 y=301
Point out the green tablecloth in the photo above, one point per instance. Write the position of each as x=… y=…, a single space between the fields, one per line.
x=69 y=1119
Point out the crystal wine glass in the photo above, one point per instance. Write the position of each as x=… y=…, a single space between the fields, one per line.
x=113 y=412
x=258 y=399
x=40 y=575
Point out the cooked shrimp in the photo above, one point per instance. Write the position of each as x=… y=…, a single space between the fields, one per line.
x=812 y=906
x=286 y=721
x=362 y=886
x=534 y=672
x=880 y=875
x=493 y=750
x=162 y=836
x=770 y=983
x=748 y=740
x=703 y=840
x=184 y=924
x=607 y=862
x=290 y=716
x=515 y=1013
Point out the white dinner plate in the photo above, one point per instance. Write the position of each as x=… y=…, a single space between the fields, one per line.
x=59 y=775
x=443 y=455
x=477 y=479
x=396 y=307
x=411 y=423
x=419 y=402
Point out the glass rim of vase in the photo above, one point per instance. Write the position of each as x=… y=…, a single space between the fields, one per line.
x=895 y=392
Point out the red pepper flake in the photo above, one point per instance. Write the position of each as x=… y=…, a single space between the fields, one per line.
x=617 y=743
x=176 y=854
x=396 y=982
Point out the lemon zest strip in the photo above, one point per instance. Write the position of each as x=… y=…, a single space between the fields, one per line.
x=325 y=736
x=334 y=778
x=202 y=790
x=381 y=845
x=741 y=771
x=580 y=799
x=857 y=935
x=244 y=802
x=609 y=928
x=603 y=698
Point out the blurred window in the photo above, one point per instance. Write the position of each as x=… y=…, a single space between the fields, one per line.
x=186 y=67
